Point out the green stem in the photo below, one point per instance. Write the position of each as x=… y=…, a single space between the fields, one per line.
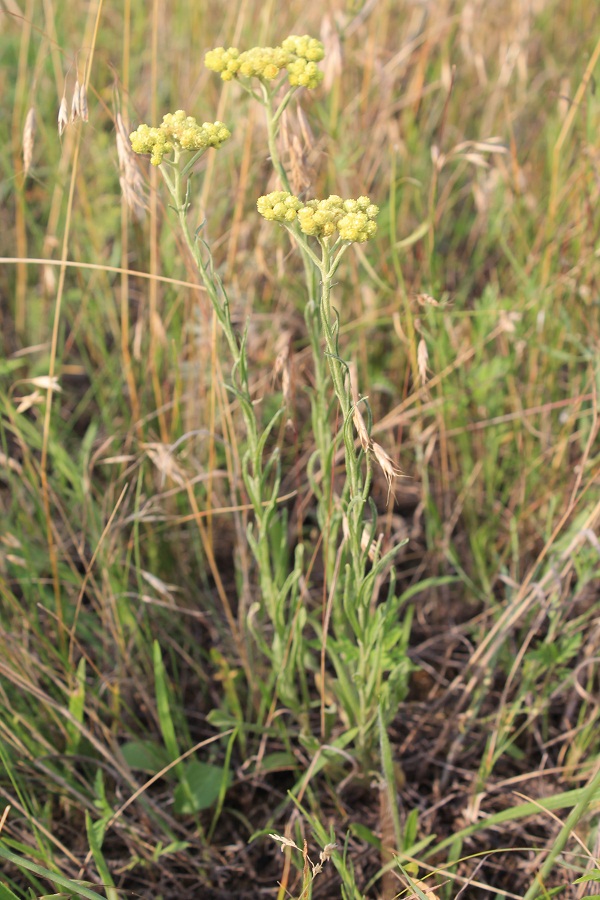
x=322 y=325
x=283 y=105
x=337 y=366
x=254 y=477
x=272 y=131
x=357 y=486
x=320 y=402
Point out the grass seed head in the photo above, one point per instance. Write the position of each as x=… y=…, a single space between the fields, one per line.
x=298 y=146
x=282 y=368
x=28 y=138
x=75 y=105
x=285 y=842
x=389 y=468
x=130 y=177
x=63 y=117
x=422 y=360
x=333 y=53
x=361 y=429
x=83 y=104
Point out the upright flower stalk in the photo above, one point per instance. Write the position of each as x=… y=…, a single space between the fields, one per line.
x=367 y=646
x=356 y=648
x=175 y=146
x=271 y=76
x=353 y=220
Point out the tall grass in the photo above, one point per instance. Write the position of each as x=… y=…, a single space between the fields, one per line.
x=156 y=713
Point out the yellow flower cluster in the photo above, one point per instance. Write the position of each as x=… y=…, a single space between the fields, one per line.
x=298 y=55
x=279 y=206
x=177 y=130
x=352 y=219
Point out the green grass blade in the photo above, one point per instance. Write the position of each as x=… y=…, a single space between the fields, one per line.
x=103 y=870
x=72 y=886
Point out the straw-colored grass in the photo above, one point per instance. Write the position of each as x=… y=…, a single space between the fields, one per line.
x=155 y=726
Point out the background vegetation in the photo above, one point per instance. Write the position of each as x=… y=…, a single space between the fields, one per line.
x=134 y=757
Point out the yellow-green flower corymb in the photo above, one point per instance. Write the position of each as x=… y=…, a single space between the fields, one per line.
x=279 y=206
x=177 y=131
x=298 y=55
x=352 y=219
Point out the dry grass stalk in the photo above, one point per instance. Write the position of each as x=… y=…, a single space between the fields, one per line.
x=282 y=367
x=389 y=879
x=299 y=150
x=426 y=889
x=4 y=817
x=28 y=136
x=130 y=178
x=357 y=417
x=332 y=64
x=386 y=463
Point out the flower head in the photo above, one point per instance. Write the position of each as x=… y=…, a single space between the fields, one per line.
x=305 y=47
x=352 y=219
x=356 y=227
x=223 y=61
x=279 y=206
x=298 y=55
x=177 y=131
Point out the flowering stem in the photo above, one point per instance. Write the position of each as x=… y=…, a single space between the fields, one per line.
x=320 y=404
x=358 y=488
x=351 y=625
x=283 y=105
x=261 y=490
x=322 y=324
x=272 y=130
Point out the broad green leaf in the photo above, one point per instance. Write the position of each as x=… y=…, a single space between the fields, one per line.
x=147 y=756
x=201 y=788
x=365 y=834
x=280 y=761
